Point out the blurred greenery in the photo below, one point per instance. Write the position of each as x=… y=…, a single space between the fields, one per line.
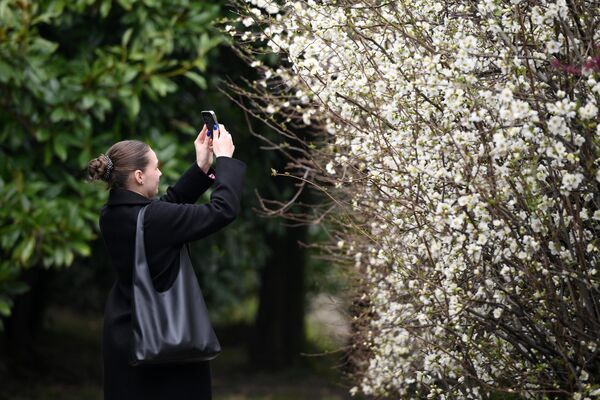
x=76 y=76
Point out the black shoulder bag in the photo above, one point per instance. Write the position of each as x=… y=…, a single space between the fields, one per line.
x=170 y=327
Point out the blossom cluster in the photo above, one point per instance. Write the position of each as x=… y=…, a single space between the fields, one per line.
x=467 y=151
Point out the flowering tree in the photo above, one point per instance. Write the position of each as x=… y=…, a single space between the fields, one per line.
x=459 y=153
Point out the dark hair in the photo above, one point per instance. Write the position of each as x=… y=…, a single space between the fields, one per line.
x=125 y=156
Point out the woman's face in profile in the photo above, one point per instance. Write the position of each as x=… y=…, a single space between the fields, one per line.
x=151 y=175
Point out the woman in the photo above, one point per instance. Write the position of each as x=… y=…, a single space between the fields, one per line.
x=131 y=171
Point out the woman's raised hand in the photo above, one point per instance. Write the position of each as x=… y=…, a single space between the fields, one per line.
x=222 y=142
x=204 y=151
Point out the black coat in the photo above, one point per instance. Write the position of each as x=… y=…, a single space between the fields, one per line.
x=169 y=222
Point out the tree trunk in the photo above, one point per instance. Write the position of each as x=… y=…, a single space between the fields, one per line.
x=279 y=335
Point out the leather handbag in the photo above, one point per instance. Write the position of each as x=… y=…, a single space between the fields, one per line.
x=170 y=327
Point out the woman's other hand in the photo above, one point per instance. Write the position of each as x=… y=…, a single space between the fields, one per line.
x=204 y=150
x=222 y=142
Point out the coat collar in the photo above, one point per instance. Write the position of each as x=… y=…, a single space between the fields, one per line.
x=120 y=196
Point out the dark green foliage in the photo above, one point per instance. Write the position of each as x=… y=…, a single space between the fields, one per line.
x=75 y=77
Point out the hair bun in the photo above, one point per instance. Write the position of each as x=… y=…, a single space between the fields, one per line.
x=100 y=168
x=125 y=157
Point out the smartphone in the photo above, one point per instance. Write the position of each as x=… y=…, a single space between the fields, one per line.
x=210 y=119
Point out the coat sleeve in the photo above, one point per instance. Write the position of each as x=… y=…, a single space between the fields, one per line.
x=190 y=186
x=174 y=223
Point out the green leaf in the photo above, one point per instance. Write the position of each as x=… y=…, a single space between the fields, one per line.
x=82 y=248
x=69 y=258
x=42 y=134
x=9 y=238
x=105 y=8
x=126 y=37
x=200 y=63
x=6 y=14
x=87 y=101
x=197 y=79
x=6 y=72
x=43 y=46
x=126 y=4
x=133 y=105
x=5 y=307
x=47 y=262
x=129 y=74
x=84 y=157
x=59 y=256
x=59 y=114
x=60 y=149
x=27 y=249
x=162 y=85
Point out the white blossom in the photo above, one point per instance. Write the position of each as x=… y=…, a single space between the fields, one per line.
x=470 y=145
x=571 y=182
x=589 y=111
x=552 y=46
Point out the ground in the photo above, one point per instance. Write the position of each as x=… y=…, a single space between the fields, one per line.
x=68 y=366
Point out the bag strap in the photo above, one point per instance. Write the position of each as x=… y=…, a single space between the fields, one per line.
x=141 y=273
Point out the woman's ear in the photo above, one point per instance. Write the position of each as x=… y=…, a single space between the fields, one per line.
x=139 y=176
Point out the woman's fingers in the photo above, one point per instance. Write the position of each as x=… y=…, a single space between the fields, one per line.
x=218 y=129
x=202 y=135
x=222 y=129
x=223 y=143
